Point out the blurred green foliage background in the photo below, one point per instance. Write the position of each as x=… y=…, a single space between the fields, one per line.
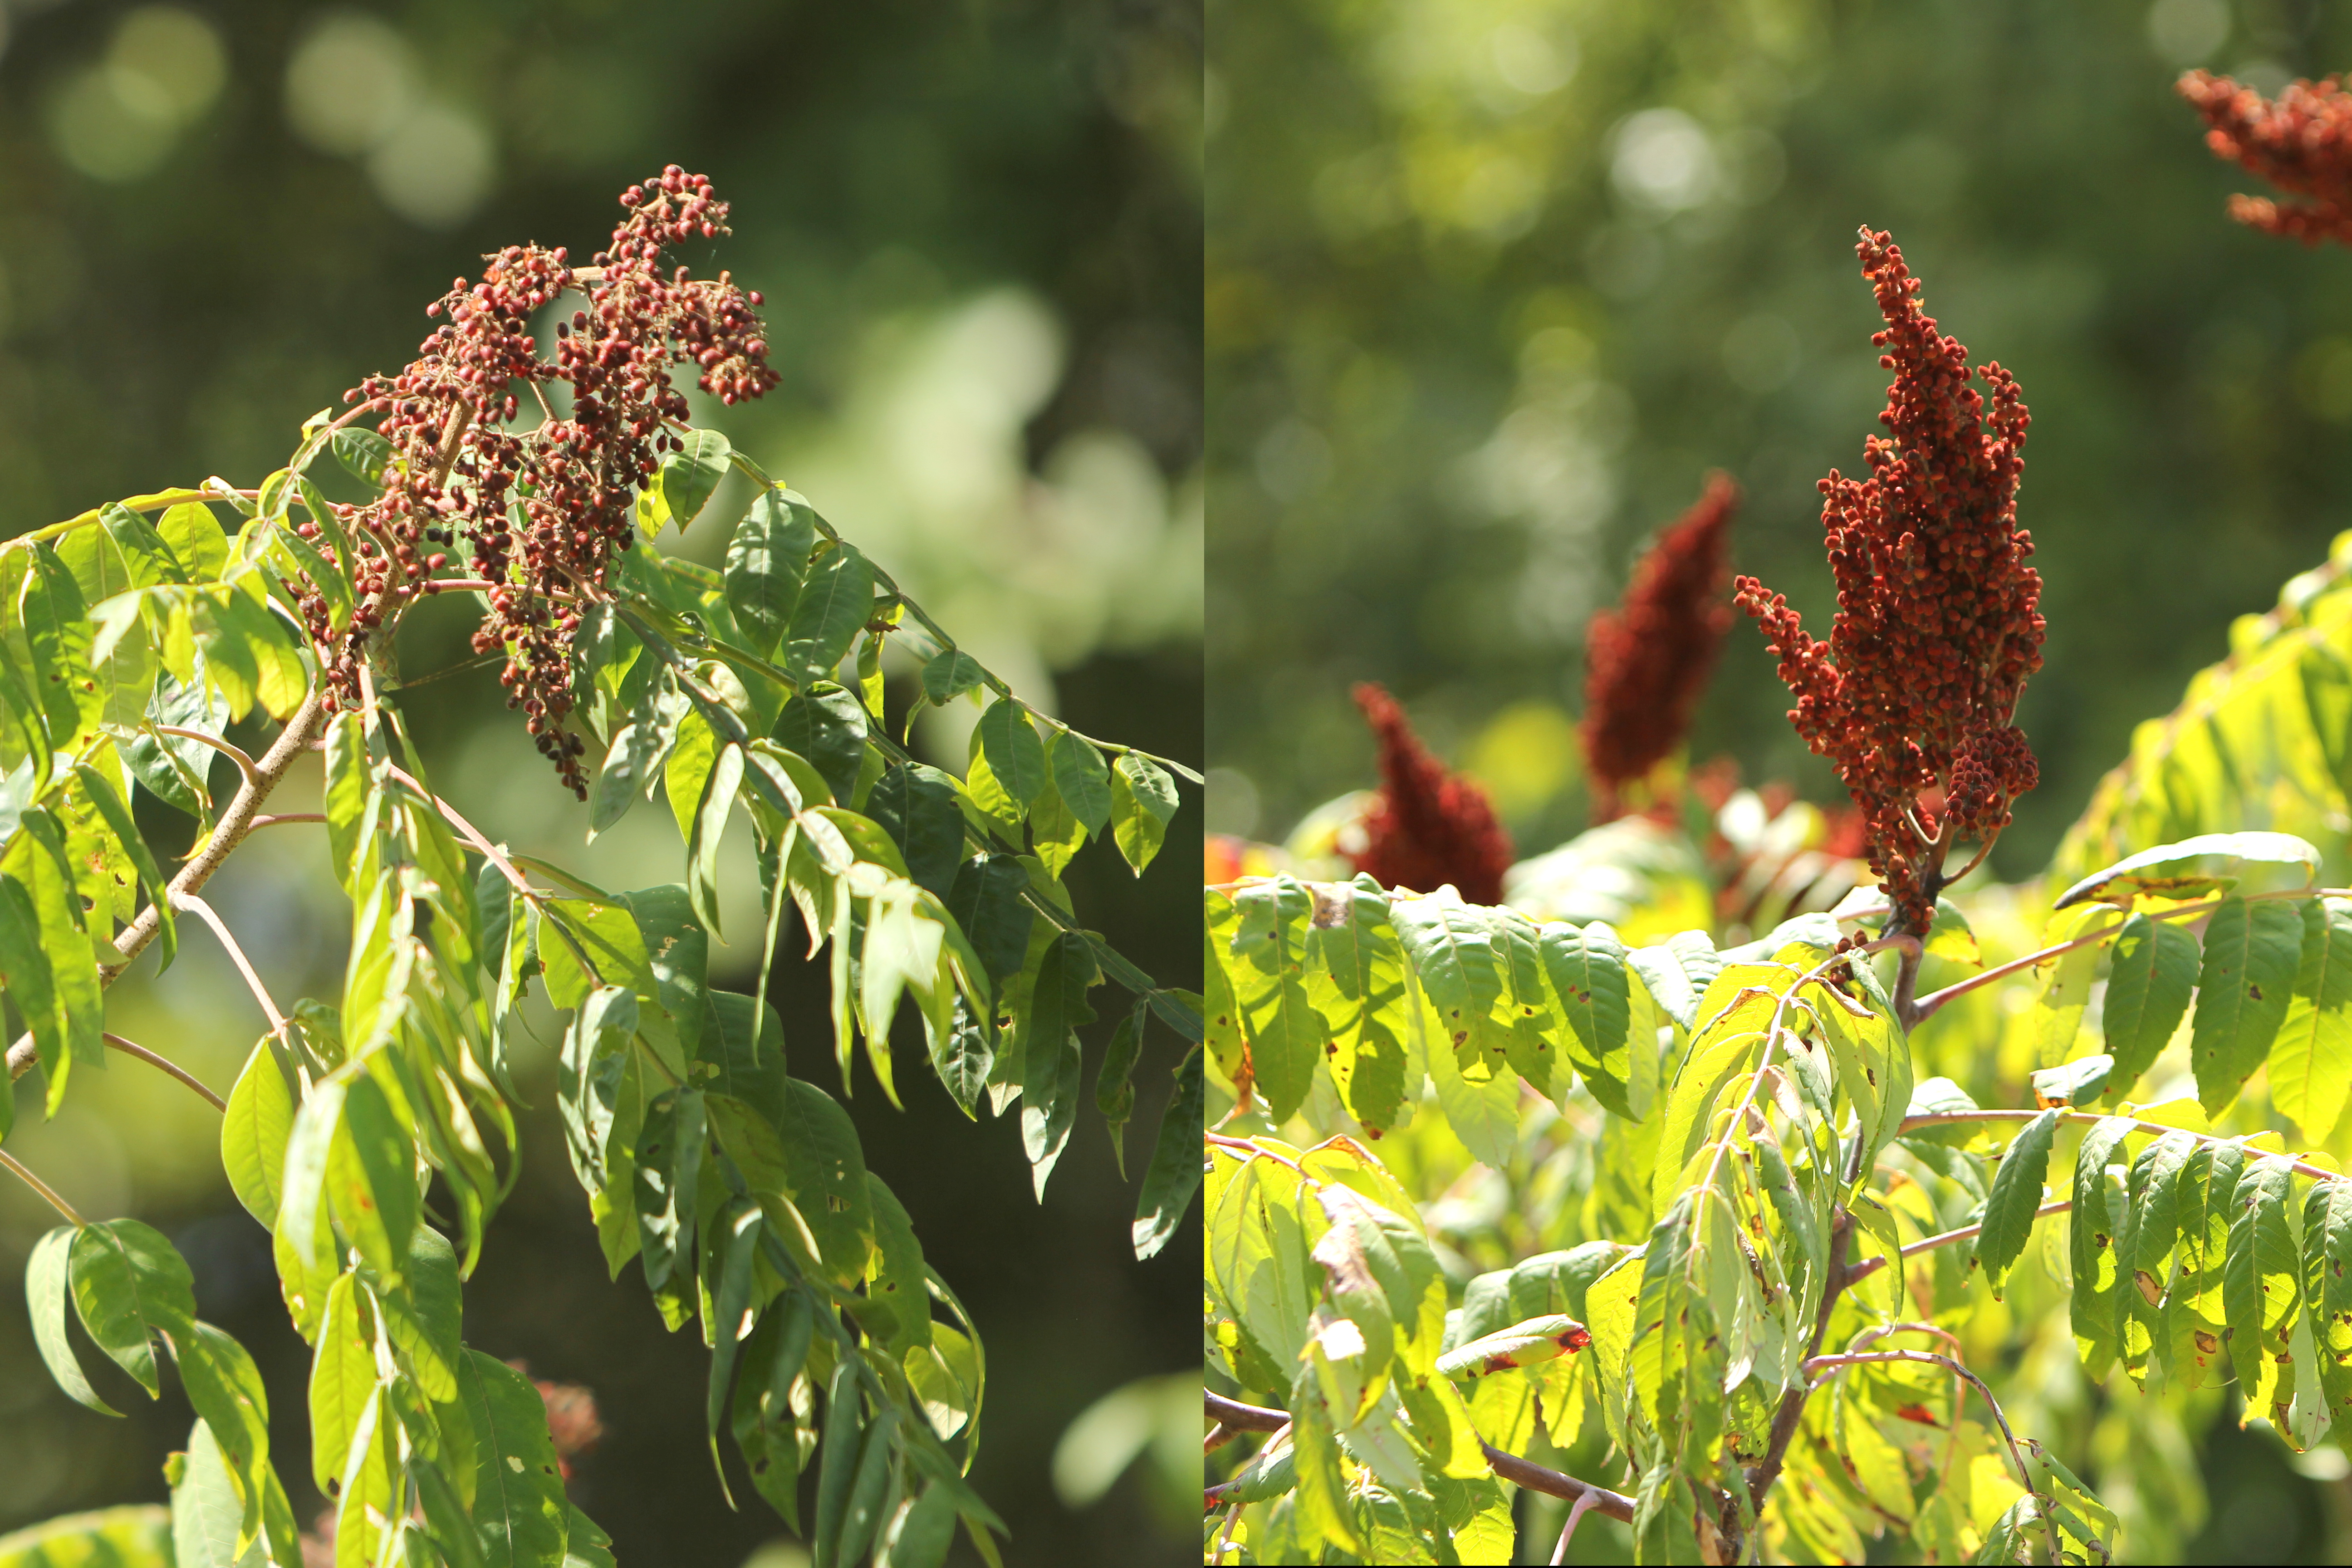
x=1492 y=284
x=978 y=227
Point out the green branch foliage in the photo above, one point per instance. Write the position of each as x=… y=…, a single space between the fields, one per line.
x=132 y=642
x=1763 y=1191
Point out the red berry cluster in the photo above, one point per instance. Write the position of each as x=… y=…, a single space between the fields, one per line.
x=1646 y=662
x=546 y=506
x=2301 y=142
x=1428 y=827
x=1914 y=694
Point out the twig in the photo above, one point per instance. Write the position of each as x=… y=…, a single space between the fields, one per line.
x=156 y=503
x=1510 y=1467
x=1869 y=1266
x=1576 y=1512
x=174 y=1069
x=1934 y=1118
x=1816 y=1364
x=1219 y=1436
x=191 y=904
x=235 y=822
x=473 y=835
x=266 y=820
x=1927 y=1004
x=235 y=752
x=1792 y=1404
x=42 y=1188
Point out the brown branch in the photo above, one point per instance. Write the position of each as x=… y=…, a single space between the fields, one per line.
x=1820 y=1364
x=1536 y=1477
x=1869 y=1266
x=1927 y=1004
x=1792 y=1404
x=1936 y=1118
x=266 y=820
x=174 y=1069
x=234 y=823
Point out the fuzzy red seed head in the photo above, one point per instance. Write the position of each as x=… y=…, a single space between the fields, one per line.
x=1428 y=827
x=2300 y=142
x=1647 y=661
x=1914 y=694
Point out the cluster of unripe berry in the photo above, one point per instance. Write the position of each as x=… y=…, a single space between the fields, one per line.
x=544 y=509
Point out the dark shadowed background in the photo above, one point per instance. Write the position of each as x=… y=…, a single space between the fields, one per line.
x=978 y=227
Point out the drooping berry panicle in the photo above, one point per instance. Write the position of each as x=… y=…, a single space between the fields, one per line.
x=1428 y=827
x=2301 y=142
x=544 y=506
x=1646 y=662
x=1915 y=689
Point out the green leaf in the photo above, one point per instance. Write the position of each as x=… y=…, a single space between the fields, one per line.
x=1723 y=1049
x=950 y=676
x=837 y=1465
x=47 y=1283
x=2155 y=965
x=370 y=1177
x=1269 y=978
x=677 y=951
x=836 y=596
x=766 y=1429
x=151 y=562
x=1049 y=1051
x=2077 y=1082
x=2261 y=1287
x=2116 y=880
x=254 y=1133
x=363 y=452
x=1016 y=757
x=689 y=475
x=1356 y=982
x=518 y=1504
x=668 y=1169
x=343 y=1379
x=895 y=1274
x=1114 y=1081
x=1585 y=968
x=126 y=833
x=2151 y=1226
x=811 y=1159
x=2253 y=952
x=733 y=1312
x=2311 y=1060
x=828 y=724
x=594 y=943
x=918 y=807
x=1083 y=780
x=1142 y=803
x=2016 y=1194
x=2327 y=1291
x=1175 y=1172
x=688 y=765
x=765 y=561
x=127 y=1284
x=25 y=974
x=2096 y=1265
x=987 y=903
x=206 y=1510
x=709 y=825
x=224 y=1386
